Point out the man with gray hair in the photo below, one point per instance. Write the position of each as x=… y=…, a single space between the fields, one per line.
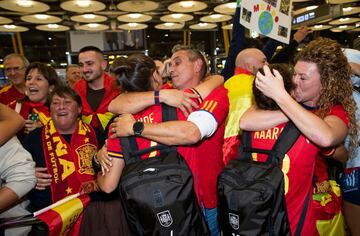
x=14 y=67
x=73 y=74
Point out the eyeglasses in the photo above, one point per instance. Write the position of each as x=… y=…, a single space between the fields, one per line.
x=14 y=69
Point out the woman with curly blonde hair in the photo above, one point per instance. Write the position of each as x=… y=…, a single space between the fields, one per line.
x=322 y=107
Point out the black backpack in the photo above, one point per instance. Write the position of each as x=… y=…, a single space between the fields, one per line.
x=251 y=194
x=157 y=193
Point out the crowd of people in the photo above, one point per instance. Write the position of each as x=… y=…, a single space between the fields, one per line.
x=62 y=137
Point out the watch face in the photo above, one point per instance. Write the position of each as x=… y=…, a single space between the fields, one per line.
x=138 y=128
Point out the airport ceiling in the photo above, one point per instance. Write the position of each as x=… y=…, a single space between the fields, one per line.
x=60 y=15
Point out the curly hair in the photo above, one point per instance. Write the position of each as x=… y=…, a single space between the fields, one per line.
x=335 y=78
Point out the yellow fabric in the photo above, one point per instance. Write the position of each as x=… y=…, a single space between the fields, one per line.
x=103 y=118
x=87 y=119
x=333 y=227
x=69 y=213
x=6 y=88
x=240 y=99
x=42 y=117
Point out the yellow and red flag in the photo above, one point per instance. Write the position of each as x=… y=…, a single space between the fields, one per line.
x=64 y=217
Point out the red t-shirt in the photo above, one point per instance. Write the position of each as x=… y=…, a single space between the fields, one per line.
x=321 y=168
x=9 y=94
x=203 y=158
x=298 y=168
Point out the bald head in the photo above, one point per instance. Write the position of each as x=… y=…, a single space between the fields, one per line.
x=251 y=59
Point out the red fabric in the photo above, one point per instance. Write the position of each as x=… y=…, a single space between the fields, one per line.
x=9 y=94
x=331 y=208
x=203 y=158
x=230 y=148
x=298 y=168
x=111 y=91
x=54 y=219
x=239 y=70
x=29 y=107
x=70 y=165
x=321 y=168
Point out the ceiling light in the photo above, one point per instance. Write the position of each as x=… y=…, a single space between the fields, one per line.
x=134 y=15
x=24 y=3
x=187 y=4
x=41 y=16
x=347 y=9
x=343 y=26
x=10 y=26
x=215 y=16
x=176 y=16
x=93 y=25
x=344 y=19
x=89 y=16
x=231 y=5
x=203 y=24
x=53 y=26
x=169 y=24
x=132 y=24
x=318 y=26
x=309 y=8
x=357 y=25
x=83 y=3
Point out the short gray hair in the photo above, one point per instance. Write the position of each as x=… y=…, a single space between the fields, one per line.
x=193 y=55
x=16 y=55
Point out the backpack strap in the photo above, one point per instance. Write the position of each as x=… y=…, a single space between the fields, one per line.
x=302 y=216
x=285 y=141
x=245 y=143
x=129 y=145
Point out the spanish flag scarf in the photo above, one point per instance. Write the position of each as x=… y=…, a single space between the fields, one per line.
x=101 y=116
x=69 y=164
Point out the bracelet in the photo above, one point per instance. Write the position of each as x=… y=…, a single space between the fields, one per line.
x=156 y=97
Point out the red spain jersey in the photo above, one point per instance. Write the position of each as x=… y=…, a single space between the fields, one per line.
x=298 y=168
x=209 y=161
x=321 y=168
x=203 y=158
x=9 y=94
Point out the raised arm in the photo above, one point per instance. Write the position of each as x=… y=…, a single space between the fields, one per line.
x=255 y=119
x=10 y=123
x=134 y=102
x=330 y=131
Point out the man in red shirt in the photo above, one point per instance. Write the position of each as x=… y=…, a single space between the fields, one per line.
x=14 y=67
x=96 y=89
x=203 y=130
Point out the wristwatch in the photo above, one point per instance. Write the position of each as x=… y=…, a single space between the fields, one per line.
x=138 y=127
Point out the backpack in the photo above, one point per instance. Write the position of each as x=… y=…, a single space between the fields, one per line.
x=251 y=194
x=158 y=193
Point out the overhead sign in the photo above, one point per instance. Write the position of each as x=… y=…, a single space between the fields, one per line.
x=271 y=18
x=321 y=13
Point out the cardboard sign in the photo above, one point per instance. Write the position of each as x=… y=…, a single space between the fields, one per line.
x=271 y=18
